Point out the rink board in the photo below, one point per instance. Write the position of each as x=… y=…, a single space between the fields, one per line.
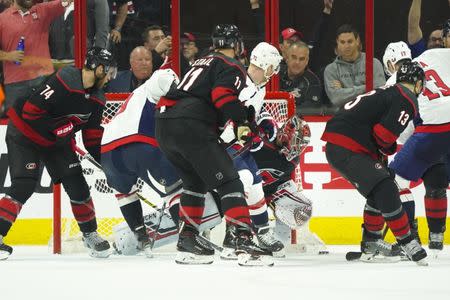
x=336 y=214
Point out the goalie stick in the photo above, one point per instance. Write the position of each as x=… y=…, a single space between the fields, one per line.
x=86 y=155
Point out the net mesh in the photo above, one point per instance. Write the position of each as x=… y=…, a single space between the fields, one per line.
x=280 y=105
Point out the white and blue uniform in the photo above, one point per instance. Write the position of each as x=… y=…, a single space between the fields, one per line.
x=430 y=143
x=130 y=150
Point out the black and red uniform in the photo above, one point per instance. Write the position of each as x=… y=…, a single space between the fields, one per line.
x=358 y=137
x=41 y=130
x=187 y=125
x=274 y=168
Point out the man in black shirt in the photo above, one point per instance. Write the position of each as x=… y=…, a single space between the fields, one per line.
x=186 y=130
x=42 y=128
x=358 y=138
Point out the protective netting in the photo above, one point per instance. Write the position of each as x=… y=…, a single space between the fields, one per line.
x=280 y=105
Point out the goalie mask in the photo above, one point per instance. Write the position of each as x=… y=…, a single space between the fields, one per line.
x=293 y=137
x=266 y=57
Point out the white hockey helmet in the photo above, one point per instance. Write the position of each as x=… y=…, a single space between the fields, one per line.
x=394 y=53
x=159 y=83
x=265 y=55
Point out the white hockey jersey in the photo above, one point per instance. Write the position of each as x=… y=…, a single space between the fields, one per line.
x=251 y=95
x=134 y=122
x=434 y=102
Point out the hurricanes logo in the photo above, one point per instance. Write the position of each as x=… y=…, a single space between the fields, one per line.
x=31 y=166
x=219 y=176
x=378 y=166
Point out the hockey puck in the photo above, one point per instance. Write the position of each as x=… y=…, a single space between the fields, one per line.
x=351 y=256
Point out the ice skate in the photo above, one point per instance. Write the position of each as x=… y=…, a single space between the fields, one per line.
x=191 y=249
x=375 y=249
x=247 y=252
x=96 y=245
x=436 y=243
x=415 y=252
x=267 y=241
x=5 y=250
x=143 y=239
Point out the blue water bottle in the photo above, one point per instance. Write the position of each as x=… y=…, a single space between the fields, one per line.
x=20 y=47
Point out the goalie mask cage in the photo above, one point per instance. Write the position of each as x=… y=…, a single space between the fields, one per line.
x=66 y=237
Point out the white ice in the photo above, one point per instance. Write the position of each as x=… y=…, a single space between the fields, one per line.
x=33 y=273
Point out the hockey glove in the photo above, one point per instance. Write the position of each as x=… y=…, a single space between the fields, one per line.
x=64 y=133
x=243 y=133
x=268 y=126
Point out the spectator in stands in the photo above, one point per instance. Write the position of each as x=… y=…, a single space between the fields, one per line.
x=345 y=78
x=25 y=70
x=4 y=4
x=61 y=40
x=415 y=36
x=158 y=43
x=141 y=69
x=189 y=46
x=299 y=80
x=289 y=36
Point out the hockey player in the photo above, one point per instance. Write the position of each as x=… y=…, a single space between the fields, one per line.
x=264 y=63
x=358 y=137
x=276 y=162
x=42 y=128
x=425 y=154
x=394 y=56
x=130 y=151
x=186 y=122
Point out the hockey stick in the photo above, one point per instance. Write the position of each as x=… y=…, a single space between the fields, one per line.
x=355 y=255
x=86 y=155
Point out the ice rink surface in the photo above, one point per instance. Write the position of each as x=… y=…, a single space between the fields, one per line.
x=32 y=273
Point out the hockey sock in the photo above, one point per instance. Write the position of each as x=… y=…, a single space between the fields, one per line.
x=233 y=203
x=9 y=209
x=435 y=181
x=191 y=206
x=386 y=196
x=373 y=222
x=257 y=205
x=408 y=204
x=131 y=209
x=436 y=209
x=84 y=213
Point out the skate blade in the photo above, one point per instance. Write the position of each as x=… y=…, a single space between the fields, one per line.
x=248 y=260
x=279 y=254
x=228 y=254
x=4 y=255
x=379 y=259
x=422 y=263
x=434 y=253
x=148 y=253
x=186 y=258
x=99 y=254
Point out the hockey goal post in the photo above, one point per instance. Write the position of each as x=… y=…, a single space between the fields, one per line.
x=281 y=105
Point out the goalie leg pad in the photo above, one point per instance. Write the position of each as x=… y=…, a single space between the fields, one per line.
x=292 y=207
x=125 y=241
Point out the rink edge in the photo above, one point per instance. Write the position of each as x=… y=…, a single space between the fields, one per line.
x=332 y=230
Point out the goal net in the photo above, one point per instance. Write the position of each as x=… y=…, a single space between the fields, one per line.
x=280 y=105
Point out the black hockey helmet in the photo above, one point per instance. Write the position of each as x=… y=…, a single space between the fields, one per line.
x=411 y=72
x=446 y=28
x=227 y=36
x=97 y=56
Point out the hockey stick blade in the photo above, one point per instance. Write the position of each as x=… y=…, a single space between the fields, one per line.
x=353 y=255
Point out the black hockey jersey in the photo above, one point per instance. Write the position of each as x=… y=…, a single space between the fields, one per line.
x=274 y=169
x=373 y=121
x=60 y=100
x=209 y=92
